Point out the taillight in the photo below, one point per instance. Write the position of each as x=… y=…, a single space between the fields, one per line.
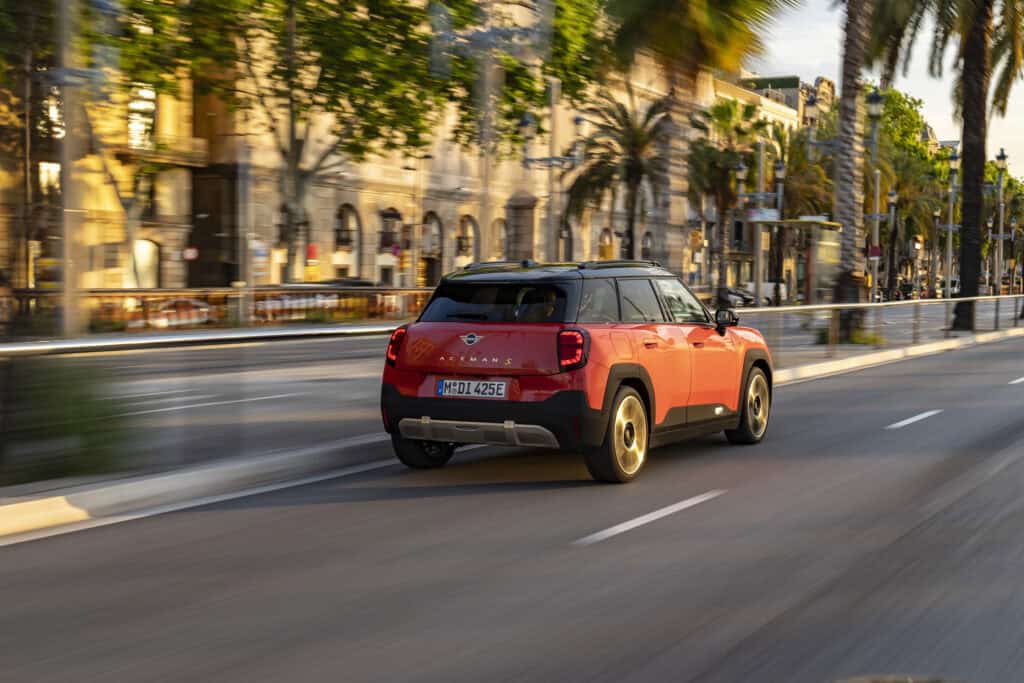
x=572 y=349
x=395 y=345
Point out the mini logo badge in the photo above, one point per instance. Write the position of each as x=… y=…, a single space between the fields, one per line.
x=471 y=338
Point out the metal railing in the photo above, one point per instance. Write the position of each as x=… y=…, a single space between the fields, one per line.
x=34 y=313
x=830 y=330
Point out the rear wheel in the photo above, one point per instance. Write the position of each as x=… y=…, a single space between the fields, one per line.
x=624 y=451
x=755 y=410
x=422 y=455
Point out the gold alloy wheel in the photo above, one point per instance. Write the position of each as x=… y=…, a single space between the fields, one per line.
x=758 y=404
x=630 y=435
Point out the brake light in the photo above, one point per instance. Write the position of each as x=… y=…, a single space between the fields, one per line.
x=395 y=345
x=572 y=349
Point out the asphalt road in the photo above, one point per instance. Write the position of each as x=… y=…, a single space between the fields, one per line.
x=868 y=534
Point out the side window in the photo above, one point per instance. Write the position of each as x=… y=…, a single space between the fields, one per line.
x=599 y=302
x=681 y=304
x=638 y=302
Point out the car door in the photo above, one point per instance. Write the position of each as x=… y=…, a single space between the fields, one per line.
x=652 y=337
x=714 y=378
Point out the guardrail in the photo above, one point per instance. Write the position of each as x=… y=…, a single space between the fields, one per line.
x=817 y=330
x=35 y=312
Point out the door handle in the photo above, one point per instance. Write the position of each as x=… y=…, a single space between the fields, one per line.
x=650 y=343
x=698 y=345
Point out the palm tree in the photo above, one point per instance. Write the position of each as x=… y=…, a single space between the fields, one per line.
x=729 y=129
x=807 y=189
x=623 y=150
x=849 y=179
x=989 y=33
x=919 y=195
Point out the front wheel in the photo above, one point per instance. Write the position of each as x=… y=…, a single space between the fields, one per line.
x=624 y=451
x=757 y=398
x=422 y=455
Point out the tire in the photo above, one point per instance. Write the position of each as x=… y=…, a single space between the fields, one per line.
x=626 y=442
x=422 y=455
x=755 y=410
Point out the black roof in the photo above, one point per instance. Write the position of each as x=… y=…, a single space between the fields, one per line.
x=504 y=271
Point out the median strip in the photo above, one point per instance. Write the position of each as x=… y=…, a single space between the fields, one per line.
x=648 y=518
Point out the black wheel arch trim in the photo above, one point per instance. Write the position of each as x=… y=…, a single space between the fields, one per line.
x=618 y=374
x=749 y=359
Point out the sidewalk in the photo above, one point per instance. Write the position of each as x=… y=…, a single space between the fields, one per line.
x=42 y=505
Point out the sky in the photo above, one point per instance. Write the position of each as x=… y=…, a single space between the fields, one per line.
x=807 y=42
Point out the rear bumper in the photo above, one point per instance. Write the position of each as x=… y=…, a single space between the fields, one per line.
x=563 y=421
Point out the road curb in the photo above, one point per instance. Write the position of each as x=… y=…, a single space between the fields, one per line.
x=107 y=499
x=117 y=497
x=867 y=360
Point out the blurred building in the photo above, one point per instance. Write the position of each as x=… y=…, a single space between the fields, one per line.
x=794 y=93
x=135 y=183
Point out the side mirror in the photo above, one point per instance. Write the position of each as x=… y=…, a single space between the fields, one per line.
x=726 y=317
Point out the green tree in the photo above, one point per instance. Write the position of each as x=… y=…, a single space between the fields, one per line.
x=989 y=41
x=807 y=187
x=728 y=130
x=623 y=150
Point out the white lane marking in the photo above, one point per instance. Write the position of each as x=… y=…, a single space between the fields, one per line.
x=1019 y=380
x=197 y=502
x=204 y=405
x=648 y=518
x=172 y=399
x=911 y=420
x=126 y=397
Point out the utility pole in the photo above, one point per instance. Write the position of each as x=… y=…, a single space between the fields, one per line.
x=758 y=228
x=873 y=256
x=554 y=94
x=70 y=208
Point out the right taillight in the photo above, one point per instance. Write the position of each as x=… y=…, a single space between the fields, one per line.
x=395 y=345
x=572 y=349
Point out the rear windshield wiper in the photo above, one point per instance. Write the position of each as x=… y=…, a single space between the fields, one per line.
x=467 y=316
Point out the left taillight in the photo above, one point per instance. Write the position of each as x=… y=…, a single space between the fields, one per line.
x=395 y=345
x=573 y=346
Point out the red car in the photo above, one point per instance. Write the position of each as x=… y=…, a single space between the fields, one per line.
x=609 y=358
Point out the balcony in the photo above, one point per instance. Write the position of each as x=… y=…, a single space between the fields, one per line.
x=164 y=149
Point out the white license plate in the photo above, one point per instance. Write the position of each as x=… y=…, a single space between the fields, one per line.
x=468 y=388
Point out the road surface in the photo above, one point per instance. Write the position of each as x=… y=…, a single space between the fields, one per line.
x=878 y=529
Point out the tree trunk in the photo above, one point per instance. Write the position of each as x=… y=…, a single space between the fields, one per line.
x=894 y=242
x=976 y=73
x=628 y=247
x=849 y=189
x=723 y=218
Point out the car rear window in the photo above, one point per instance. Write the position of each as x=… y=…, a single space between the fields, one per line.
x=498 y=303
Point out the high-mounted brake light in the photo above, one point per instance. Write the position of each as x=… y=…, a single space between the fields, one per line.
x=395 y=345
x=572 y=349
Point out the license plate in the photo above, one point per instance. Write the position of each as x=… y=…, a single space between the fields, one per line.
x=466 y=388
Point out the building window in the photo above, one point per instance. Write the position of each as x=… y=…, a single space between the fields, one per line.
x=465 y=241
x=391 y=225
x=387 y=276
x=141 y=118
x=606 y=245
x=430 y=243
x=49 y=180
x=499 y=235
x=147 y=264
x=646 y=246
x=112 y=255
x=346 y=228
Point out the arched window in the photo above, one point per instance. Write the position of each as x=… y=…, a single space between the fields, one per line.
x=606 y=245
x=431 y=245
x=499 y=238
x=465 y=241
x=390 y=228
x=346 y=228
x=646 y=246
x=147 y=263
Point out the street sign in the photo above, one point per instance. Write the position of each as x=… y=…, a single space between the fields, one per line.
x=874 y=253
x=190 y=253
x=760 y=215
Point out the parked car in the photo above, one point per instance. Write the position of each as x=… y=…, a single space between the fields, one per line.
x=609 y=359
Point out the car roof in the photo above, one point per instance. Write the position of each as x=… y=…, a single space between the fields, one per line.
x=530 y=271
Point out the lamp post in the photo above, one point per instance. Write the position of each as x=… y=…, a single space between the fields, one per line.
x=954 y=167
x=933 y=254
x=528 y=131
x=991 y=254
x=874 y=101
x=892 y=197
x=780 y=186
x=1001 y=165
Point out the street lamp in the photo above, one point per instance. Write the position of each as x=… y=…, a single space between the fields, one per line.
x=780 y=187
x=875 y=101
x=954 y=167
x=741 y=175
x=1001 y=165
x=892 y=197
x=811 y=109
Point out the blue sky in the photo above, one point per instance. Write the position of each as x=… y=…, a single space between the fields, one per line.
x=808 y=42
